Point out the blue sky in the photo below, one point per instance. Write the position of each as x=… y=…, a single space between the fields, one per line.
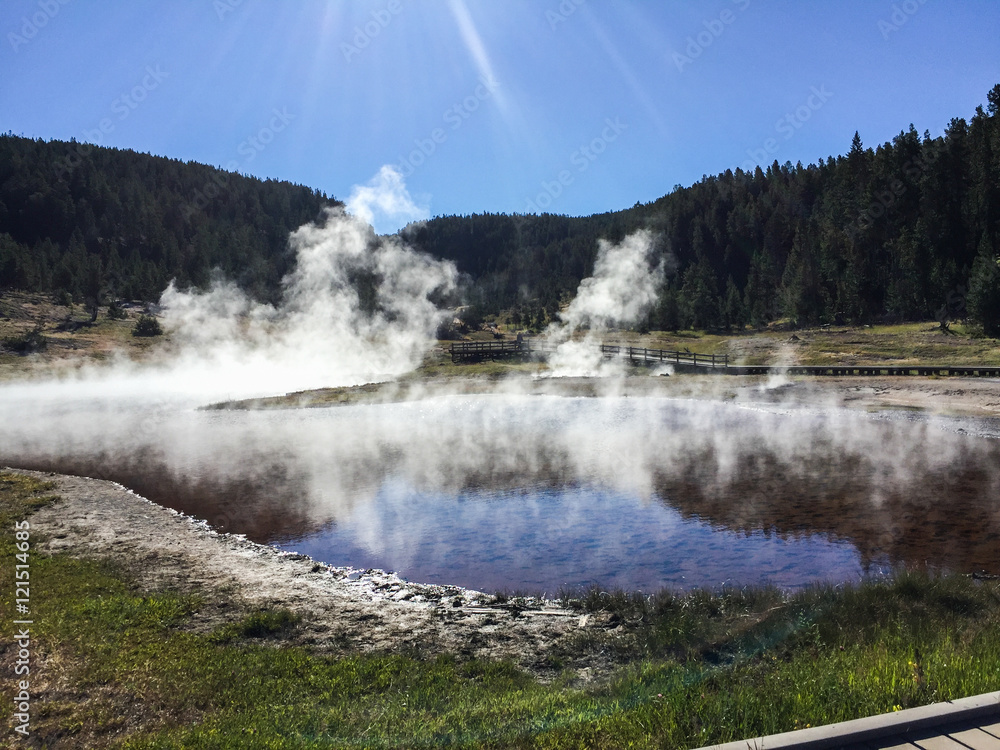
x=573 y=107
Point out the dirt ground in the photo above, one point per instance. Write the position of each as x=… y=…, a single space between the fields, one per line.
x=959 y=397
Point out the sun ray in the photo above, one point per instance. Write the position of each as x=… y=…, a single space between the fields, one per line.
x=626 y=73
x=477 y=50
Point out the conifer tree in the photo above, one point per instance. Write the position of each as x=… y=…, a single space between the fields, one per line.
x=983 y=302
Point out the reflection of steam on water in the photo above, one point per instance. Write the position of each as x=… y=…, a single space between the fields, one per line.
x=898 y=490
x=621 y=291
x=549 y=539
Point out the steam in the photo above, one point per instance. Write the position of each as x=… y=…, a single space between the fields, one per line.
x=776 y=377
x=357 y=308
x=384 y=202
x=747 y=467
x=621 y=291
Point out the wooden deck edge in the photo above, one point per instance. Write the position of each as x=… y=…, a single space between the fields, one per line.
x=874 y=727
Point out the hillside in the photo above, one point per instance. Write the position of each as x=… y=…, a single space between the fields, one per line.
x=908 y=230
x=76 y=217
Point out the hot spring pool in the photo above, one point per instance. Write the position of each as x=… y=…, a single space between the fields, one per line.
x=543 y=493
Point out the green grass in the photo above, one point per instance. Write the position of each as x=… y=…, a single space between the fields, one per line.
x=125 y=669
x=901 y=343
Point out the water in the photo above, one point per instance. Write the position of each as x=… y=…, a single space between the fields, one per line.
x=545 y=540
x=545 y=493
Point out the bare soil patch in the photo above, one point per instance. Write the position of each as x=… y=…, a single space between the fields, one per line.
x=948 y=396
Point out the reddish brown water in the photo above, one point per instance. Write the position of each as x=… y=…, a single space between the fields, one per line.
x=544 y=493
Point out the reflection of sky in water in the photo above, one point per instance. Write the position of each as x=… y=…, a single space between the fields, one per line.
x=544 y=540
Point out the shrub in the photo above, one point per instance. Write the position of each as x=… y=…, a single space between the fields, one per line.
x=472 y=318
x=116 y=312
x=447 y=332
x=147 y=325
x=26 y=343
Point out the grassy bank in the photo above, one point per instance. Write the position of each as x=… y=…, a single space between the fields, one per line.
x=113 y=665
x=897 y=344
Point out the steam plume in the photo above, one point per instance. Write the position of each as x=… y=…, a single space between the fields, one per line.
x=356 y=308
x=621 y=291
x=384 y=202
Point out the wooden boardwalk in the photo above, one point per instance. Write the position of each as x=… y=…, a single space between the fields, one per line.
x=477 y=351
x=964 y=371
x=964 y=724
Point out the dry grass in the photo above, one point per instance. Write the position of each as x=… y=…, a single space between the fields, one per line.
x=71 y=340
x=899 y=344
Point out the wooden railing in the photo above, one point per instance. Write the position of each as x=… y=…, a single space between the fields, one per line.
x=526 y=348
x=643 y=354
x=473 y=350
x=478 y=350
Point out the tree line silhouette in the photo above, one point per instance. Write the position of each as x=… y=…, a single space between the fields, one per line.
x=908 y=230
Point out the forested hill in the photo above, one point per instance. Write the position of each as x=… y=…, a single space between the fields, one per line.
x=75 y=217
x=907 y=230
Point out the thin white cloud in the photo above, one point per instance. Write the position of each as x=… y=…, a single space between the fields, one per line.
x=385 y=203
